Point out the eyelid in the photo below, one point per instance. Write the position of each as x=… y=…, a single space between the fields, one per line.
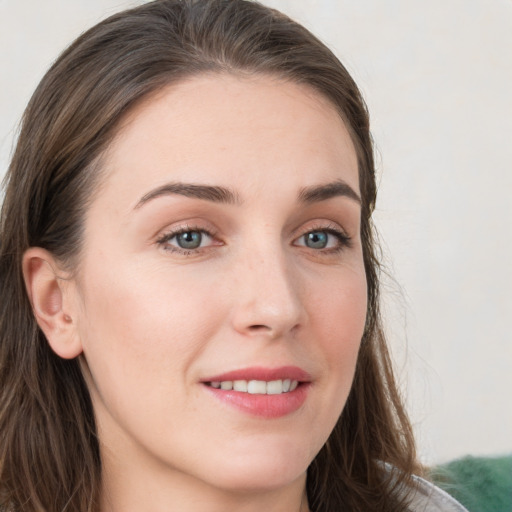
x=344 y=239
x=168 y=234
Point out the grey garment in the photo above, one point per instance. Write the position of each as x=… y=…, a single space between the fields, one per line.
x=429 y=498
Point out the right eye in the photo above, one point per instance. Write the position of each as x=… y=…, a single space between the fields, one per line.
x=186 y=240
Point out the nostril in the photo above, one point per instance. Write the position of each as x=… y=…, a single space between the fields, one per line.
x=259 y=327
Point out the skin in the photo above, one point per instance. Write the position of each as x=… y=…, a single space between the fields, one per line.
x=150 y=320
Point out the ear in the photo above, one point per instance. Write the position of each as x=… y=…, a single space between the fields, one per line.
x=51 y=297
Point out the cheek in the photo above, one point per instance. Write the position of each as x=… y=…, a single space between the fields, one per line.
x=337 y=315
x=340 y=309
x=339 y=319
x=141 y=323
x=140 y=337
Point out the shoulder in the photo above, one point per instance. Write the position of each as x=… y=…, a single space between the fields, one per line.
x=426 y=497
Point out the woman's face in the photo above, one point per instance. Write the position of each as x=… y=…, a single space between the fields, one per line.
x=223 y=250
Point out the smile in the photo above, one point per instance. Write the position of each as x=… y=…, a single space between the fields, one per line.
x=257 y=387
x=269 y=393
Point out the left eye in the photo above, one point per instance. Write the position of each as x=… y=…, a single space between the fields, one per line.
x=188 y=240
x=321 y=239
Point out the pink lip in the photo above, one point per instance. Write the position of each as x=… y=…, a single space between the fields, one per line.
x=263 y=406
x=261 y=373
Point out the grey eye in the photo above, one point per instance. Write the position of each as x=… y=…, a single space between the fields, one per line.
x=189 y=239
x=316 y=240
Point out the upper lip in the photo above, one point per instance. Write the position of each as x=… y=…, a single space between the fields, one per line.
x=262 y=373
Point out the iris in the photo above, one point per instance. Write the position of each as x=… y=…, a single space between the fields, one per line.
x=189 y=239
x=316 y=239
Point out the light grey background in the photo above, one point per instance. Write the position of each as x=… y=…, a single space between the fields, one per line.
x=437 y=77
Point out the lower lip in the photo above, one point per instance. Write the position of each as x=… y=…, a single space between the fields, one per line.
x=264 y=406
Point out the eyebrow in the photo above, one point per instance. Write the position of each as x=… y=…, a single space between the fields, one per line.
x=218 y=194
x=329 y=190
x=212 y=193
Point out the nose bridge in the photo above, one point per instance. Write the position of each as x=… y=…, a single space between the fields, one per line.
x=268 y=295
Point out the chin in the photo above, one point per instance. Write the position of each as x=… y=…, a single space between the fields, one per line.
x=266 y=470
x=257 y=480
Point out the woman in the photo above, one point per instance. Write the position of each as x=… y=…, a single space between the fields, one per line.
x=189 y=314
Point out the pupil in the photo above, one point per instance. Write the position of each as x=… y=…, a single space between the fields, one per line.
x=316 y=240
x=189 y=240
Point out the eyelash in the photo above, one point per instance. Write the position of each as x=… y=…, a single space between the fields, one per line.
x=344 y=240
x=164 y=240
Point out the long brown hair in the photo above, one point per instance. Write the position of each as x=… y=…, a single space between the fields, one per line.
x=49 y=453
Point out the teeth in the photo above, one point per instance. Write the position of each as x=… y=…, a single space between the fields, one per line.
x=257 y=387
x=240 y=385
x=274 y=387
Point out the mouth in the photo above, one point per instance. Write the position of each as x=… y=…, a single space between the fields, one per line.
x=256 y=387
x=263 y=392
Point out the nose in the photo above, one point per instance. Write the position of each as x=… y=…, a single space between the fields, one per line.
x=267 y=298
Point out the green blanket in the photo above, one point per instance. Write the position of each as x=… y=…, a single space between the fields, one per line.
x=481 y=484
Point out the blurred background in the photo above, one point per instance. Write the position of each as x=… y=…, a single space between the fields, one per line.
x=437 y=78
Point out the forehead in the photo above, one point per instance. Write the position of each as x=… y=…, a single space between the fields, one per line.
x=237 y=131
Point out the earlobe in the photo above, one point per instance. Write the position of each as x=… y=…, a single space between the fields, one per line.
x=49 y=295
